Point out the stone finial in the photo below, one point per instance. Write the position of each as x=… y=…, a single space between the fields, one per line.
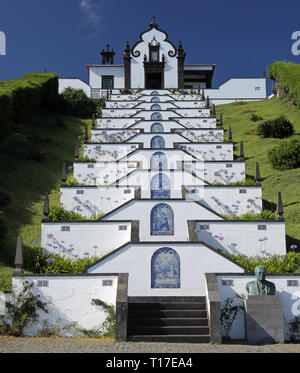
x=76 y=152
x=18 y=258
x=257 y=174
x=214 y=110
x=202 y=95
x=86 y=134
x=242 y=157
x=199 y=90
x=229 y=133
x=93 y=121
x=279 y=207
x=64 y=174
x=207 y=102
x=221 y=120
x=127 y=45
x=46 y=209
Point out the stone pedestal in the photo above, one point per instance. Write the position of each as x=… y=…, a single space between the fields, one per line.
x=263 y=319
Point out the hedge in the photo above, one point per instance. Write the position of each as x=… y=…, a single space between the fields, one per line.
x=289 y=79
x=20 y=98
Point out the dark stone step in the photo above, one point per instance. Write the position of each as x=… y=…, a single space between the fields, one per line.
x=166 y=314
x=168 y=330
x=170 y=338
x=168 y=322
x=175 y=299
x=166 y=306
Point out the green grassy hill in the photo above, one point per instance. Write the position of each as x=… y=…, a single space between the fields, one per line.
x=256 y=149
x=28 y=180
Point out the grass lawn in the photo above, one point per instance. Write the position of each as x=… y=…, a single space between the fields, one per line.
x=256 y=149
x=28 y=180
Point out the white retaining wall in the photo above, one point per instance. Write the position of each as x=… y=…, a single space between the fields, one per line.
x=95 y=238
x=101 y=173
x=108 y=152
x=114 y=135
x=75 y=83
x=146 y=138
x=210 y=151
x=228 y=200
x=116 y=122
x=70 y=300
x=244 y=237
x=92 y=201
x=203 y=135
x=182 y=210
x=167 y=125
x=197 y=122
x=195 y=260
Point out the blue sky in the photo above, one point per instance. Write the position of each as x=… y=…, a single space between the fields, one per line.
x=64 y=35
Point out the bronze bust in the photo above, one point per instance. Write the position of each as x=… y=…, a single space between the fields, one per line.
x=260 y=286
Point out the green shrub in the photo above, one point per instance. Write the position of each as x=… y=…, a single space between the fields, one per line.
x=289 y=79
x=58 y=213
x=285 y=156
x=44 y=262
x=273 y=263
x=279 y=128
x=22 y=97
x=255 y=118
x=76 y=103
x=264 y=215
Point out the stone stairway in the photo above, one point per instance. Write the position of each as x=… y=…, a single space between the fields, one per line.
x=168 y=319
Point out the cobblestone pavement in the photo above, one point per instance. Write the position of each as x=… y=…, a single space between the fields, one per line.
x=89 y=345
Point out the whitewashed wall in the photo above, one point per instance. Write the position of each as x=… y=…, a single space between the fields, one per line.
x=137 y=67
x=183 y=211
x=195 y=260
x=70 y=300
x=95 y=238
x=173 y=157
x=244 y=237
x=193 y=112
x=210 y=151
x=75 y=83
x=238 y=89
x=120 y=113
x=92 y=201
x=113 y=135
x=96 y=73
x=116 y=122
x=108 y=152
x=143 y=179
x=190 y=104
x=228 y=200
x=290 y=298
x=110 y=104
x=198 y=122
x=101 y=173
x=218 y=172
x=167 y=125
x=169 y=139
x=203 y=135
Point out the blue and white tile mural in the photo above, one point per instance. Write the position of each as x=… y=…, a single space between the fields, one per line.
x=165 y=269
x=154 y=93
x=158 y=161
x=156 y=116
x=160 y=186
x=157 y=127
x=162 y=220
x=157 y=142
x=155 y=99
x=155 y=107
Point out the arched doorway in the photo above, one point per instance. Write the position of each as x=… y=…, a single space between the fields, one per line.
x=162 y=220
x=157 y=142
x=160 y=186
x=165 y=268
x=158 y=161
